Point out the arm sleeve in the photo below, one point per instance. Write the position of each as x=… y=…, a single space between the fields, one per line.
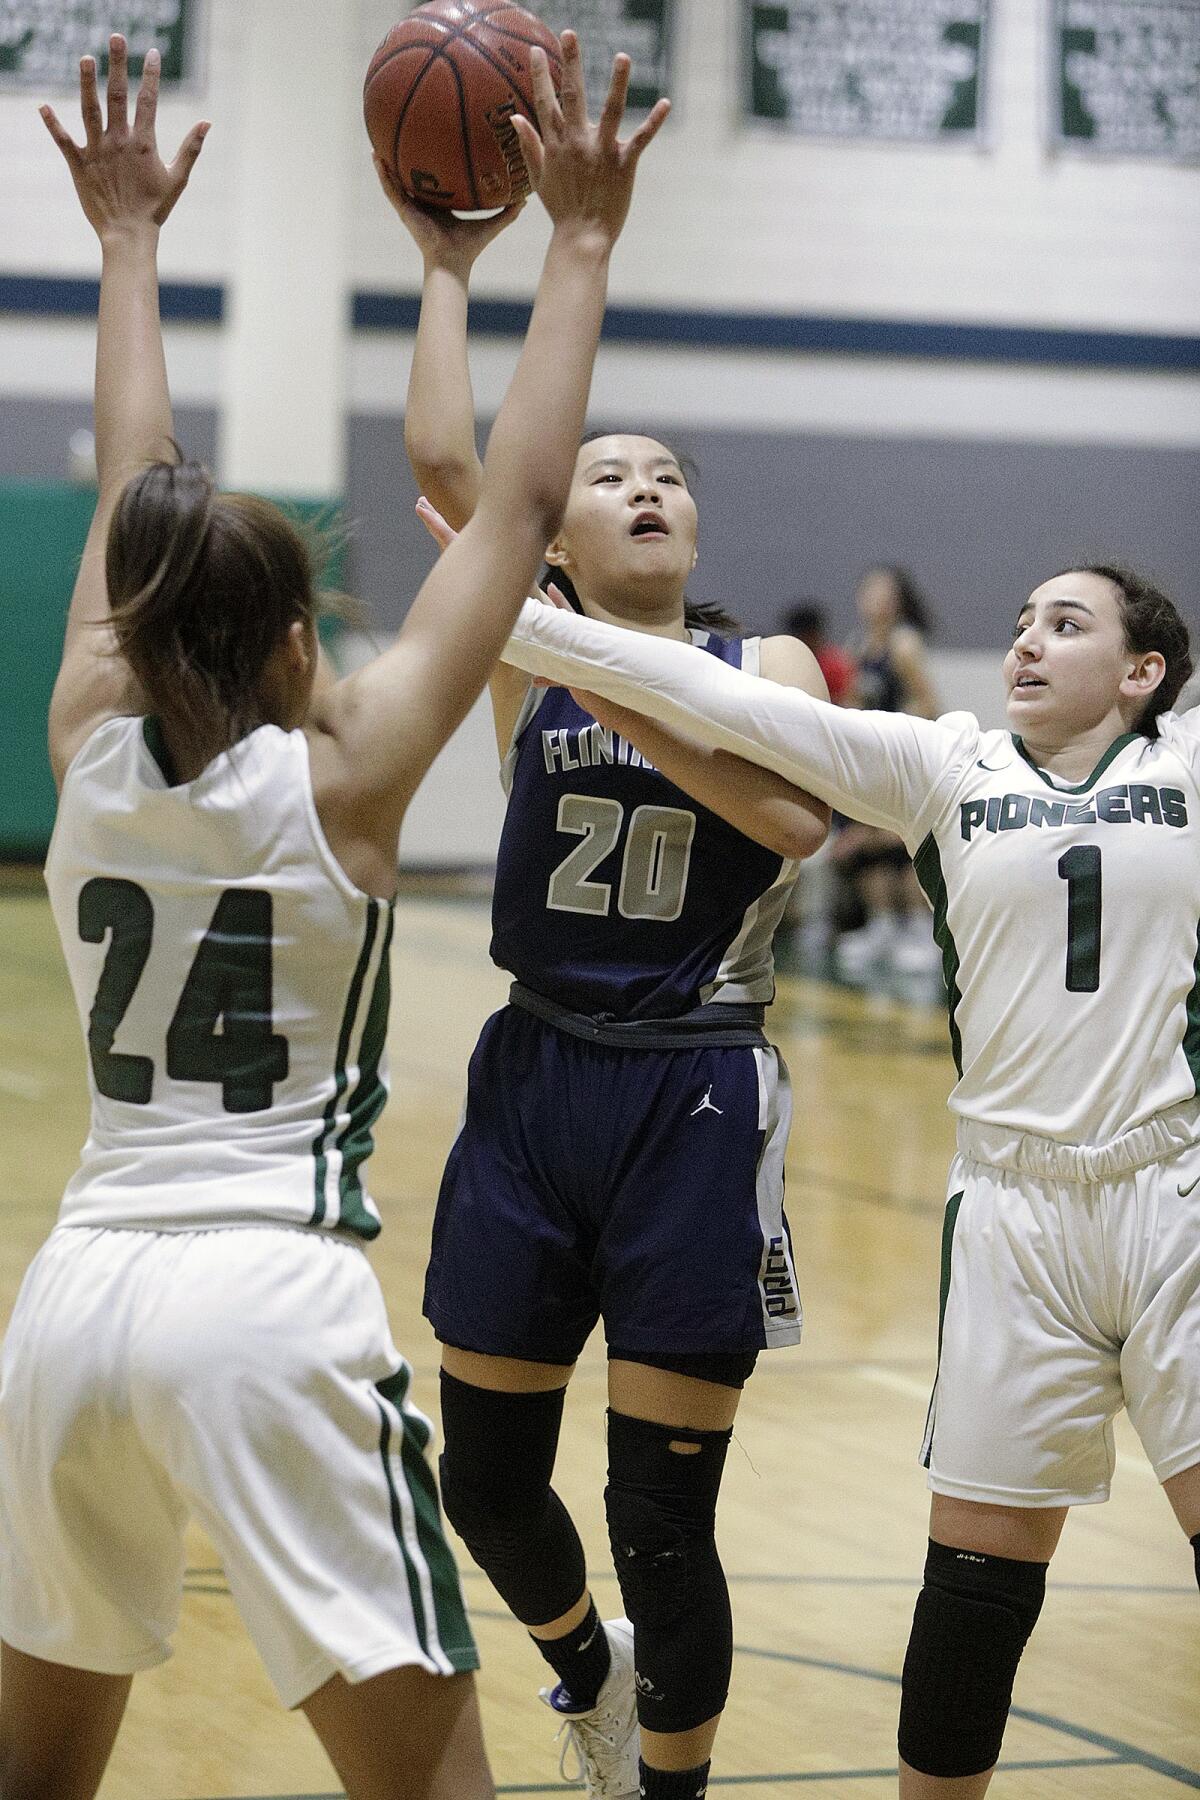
x=878 y=767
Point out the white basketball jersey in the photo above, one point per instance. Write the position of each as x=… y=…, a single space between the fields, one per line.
x=232 y=984
x=1069 y=917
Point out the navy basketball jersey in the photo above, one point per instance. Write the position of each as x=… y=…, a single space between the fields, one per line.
x=618 y=896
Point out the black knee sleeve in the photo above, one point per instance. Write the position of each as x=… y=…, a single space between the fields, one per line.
x=1196 y=1548
x=972 y=1622
x=662 y=1508
x=496 y=1493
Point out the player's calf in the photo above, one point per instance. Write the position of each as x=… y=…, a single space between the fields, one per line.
x=973 y=1619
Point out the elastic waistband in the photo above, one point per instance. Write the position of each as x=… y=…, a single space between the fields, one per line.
x=1167 y=1134
x=721 y=1027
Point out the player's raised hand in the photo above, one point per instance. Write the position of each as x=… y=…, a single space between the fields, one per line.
x=583 y=172
x=444 y=240
x=121 y=179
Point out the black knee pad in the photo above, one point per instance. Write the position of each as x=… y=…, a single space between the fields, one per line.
x=972 y=1622
x=495 y=1474
x=1196 y=1548
x=662 y=1505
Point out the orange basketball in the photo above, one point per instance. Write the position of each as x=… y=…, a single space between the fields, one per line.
x=440 y=95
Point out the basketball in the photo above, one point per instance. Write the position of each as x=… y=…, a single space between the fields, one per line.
x=440 y=95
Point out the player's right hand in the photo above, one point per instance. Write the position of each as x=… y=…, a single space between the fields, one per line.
x=583 y=173
x=121 y=179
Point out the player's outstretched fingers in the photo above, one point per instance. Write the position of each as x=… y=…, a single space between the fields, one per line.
x=61 y=136
x=89 y=102
x=118 y=84
x=181 y=168
x=572 y=91
x=614 y=105
x=146 y=111
x=648 y=130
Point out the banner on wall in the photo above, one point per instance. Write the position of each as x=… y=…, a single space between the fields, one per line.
x=899 y=70
x=1127 y=76
x=642 y=28
x=41 y=41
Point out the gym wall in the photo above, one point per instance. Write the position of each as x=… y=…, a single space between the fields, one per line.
x=1016 y=382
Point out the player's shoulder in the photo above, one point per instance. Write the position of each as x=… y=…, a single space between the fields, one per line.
x=1180 y=732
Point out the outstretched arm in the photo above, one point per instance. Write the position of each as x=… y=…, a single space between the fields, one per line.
x=878 y=767
x=126 y=192
x=439 y=413
x=388 y=722
x=761 y=804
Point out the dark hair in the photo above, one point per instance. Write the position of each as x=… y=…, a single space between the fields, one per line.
x=1152 y=621
x=698 y=615
x=805 y=619
x=202 y=586
x=912 y=601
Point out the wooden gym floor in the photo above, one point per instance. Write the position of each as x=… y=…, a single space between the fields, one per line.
x=823 y=1517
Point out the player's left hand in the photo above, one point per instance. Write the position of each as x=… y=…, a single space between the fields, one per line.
x=121 y=179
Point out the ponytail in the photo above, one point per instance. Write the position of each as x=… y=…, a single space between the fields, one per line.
x=202 y=587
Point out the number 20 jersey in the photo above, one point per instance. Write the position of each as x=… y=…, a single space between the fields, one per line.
x=232 y=985
x=617 y=896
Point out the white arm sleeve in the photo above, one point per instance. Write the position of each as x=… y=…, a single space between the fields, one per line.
x=877 y=767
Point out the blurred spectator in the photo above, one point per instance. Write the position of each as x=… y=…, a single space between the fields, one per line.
x=893 y=676
x=807 y=621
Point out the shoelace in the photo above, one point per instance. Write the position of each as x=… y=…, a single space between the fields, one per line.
x=578 y=1732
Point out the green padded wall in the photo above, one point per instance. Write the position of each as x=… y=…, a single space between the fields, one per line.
x=43 y=527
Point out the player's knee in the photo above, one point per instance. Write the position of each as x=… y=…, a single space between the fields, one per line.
x=498 y=1458
x=661 y=1502
x=972 y=1622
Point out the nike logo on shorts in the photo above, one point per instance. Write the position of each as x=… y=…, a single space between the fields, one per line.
x=1183 y=1192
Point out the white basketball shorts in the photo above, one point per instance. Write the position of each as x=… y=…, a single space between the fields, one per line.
x=1063 y=1301
x=244 y=1376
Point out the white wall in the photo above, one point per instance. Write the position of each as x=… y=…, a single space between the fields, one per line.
x=726 y=216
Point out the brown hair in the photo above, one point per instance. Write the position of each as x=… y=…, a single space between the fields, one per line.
x=1152 y=622
x=202 y=587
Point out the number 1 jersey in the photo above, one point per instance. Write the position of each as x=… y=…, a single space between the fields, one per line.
x=617 y=896
x=232 y=985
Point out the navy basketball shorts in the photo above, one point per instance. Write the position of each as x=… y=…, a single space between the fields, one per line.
x=589 y=1181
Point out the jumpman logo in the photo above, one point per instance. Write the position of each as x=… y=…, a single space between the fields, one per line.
x=706 y=1104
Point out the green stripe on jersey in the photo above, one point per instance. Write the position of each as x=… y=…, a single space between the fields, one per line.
x=949 y=1221
x=340 y=1077
x=453 y=1633
x=1191 y=1036
x=355 y=1140
x=927 y=864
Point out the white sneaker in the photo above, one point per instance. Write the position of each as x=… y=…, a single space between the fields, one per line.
x=604 y=1740
x=858 y=951
x=915 y=952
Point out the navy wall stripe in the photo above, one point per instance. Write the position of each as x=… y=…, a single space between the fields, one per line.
x=55 y=296
x=60 y=297
x=805 y=332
